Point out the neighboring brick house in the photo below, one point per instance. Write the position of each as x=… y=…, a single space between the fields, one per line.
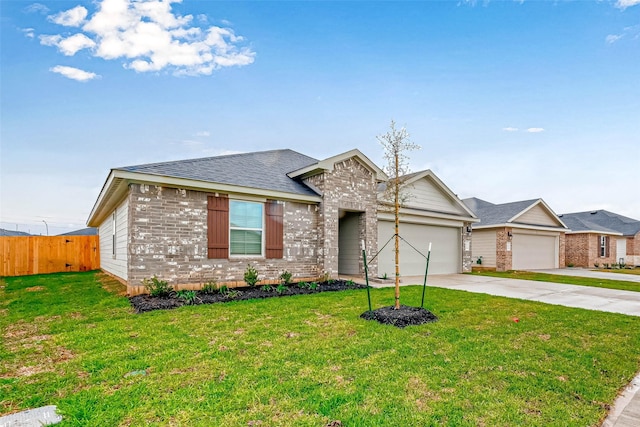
x=524 y=235
x=192 y=221
x=601 y=237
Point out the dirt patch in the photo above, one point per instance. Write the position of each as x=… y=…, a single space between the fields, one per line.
x=111 y=284
x=35 y=289
x=143 y=303
x=402 y=317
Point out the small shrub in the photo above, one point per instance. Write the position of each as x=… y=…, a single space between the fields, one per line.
x=326 y=276
x=614 y=266
x=285 y=277
x=596 y=265
x=313 y=286
x=302 y=285
x=157 y=287
x=210 y=287
x=229 y=293
x=351 y=283
x=267 y=288
x=606 y=265
x=623 y=265
x=570 y=265
x=281 y=289
x=189 y=297
x=250 y=275
x=233 y=294
x=384 y=276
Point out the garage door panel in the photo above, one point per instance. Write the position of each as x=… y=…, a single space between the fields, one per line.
x=533 y=252
x=445 y=253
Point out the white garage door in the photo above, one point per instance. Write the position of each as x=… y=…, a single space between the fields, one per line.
x=532 y=252
x=445 y=251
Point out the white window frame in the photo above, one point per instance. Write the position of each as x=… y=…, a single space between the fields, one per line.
x=261 y=229
x=113 y=232
x=603 y=247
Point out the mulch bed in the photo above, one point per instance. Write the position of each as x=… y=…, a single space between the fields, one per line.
x=404 y=316
x=143 y=303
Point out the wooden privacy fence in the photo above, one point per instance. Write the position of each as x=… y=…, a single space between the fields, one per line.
x=48 y=254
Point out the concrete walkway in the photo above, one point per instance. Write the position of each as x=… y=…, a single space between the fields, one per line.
x=626 y=409
x=611 y=300
x=584 y=272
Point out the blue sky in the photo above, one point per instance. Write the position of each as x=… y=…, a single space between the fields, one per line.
x=509 y=100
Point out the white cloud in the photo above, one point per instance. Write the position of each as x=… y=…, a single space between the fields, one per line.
x=623 y=4
x=612 y=38
x=28 y=32
x=535 y=130
x=149 y=37
x=68 y=46
x=74 y=73
x=70 y=18
x=203 y=133
x=510 y=129
x=37 y=8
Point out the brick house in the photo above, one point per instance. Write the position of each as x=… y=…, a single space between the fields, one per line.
x=523 y=235
x=192 y=221
x=601 y=237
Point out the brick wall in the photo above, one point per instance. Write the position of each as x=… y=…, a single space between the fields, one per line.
x=504 y=249
x=353 y=187
x=168 y=238
x=467 y=261
x=583 y=250
x=633 y=250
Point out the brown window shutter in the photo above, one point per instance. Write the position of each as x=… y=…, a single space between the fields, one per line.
x=274 y=229
x=218 y=227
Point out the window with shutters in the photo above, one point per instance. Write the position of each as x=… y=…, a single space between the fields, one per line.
x=242 y=228
x=245 y=228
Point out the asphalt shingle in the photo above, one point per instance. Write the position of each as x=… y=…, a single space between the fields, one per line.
x=491 y=214
x=265 y=170
x=601 y=220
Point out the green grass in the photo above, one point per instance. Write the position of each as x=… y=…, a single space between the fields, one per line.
x=557 y=278
x=307 y=360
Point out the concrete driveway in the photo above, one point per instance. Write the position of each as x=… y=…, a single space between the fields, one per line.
x=583 y=272
x=610 y=300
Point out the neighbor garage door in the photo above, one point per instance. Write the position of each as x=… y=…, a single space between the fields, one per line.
x=445 y=252
x=533 y=251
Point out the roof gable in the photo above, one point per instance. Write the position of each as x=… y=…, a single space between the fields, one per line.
x=328 y=164
x=427 y=192
x=538 y=214
x=534 y=212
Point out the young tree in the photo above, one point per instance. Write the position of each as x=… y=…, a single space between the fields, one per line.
x=396 y=143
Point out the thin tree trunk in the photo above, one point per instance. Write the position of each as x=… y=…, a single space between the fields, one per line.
x=397 y=226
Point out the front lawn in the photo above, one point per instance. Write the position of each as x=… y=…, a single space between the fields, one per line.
x=569 y=280
x=307 y=360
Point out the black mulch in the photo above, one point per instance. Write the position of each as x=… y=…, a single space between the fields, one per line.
x=404 y=316
x=142 y=303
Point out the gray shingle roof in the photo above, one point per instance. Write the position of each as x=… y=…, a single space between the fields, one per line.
x=601 y=220
x=89 y=231
x=266 y=170
x=10 y=233
x=491 y=214
x=474 y=203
